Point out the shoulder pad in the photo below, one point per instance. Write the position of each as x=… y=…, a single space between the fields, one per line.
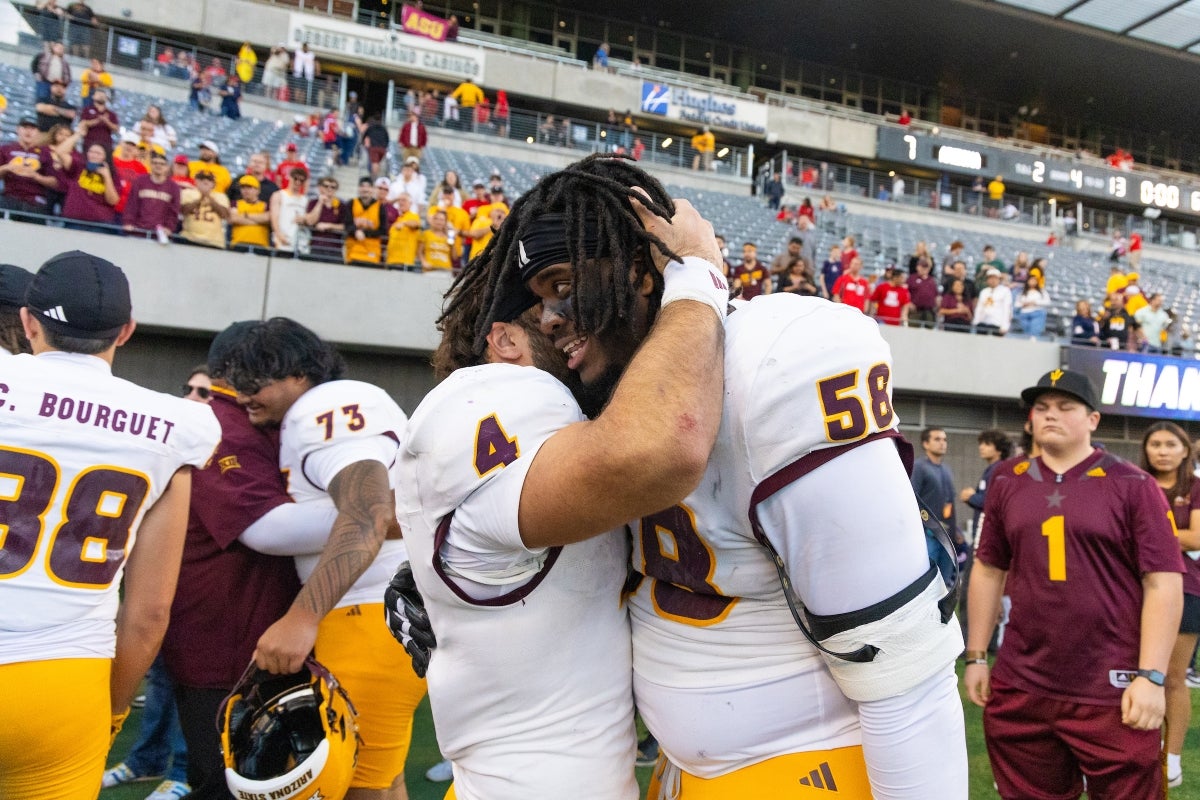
x=339 y=410
x=480 y=420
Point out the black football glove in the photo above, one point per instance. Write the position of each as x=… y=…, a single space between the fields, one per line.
x=407 y=620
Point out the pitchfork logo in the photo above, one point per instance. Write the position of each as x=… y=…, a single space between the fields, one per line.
x=656 y=98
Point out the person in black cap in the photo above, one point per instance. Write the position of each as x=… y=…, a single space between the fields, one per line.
x=1082 y=543
x=14 y=282
x=103 y=471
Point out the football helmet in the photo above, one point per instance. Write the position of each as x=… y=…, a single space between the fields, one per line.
x=289 y=737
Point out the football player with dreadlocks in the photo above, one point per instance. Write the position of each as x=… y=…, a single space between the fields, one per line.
x=788 y=638
x=513 y=506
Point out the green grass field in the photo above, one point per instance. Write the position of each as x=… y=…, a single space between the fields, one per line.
x=424 y=754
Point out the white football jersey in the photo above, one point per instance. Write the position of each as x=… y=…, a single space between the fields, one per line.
x=722 y=674
x=530 y=684
x=83 y=455
x=328 y=428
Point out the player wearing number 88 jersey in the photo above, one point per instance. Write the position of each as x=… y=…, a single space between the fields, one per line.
x=337 y=441
x=94 y=485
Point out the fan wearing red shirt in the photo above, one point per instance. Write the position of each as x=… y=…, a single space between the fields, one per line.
x=1083 y=543
x=291 y=160
x=1134 y=251
x=890 y=302
x=128 y=167
x=851 y=287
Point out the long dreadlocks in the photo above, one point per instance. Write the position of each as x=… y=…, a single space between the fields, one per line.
x=593 y=193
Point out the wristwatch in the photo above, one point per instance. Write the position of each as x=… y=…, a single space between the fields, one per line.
x=1152 y=675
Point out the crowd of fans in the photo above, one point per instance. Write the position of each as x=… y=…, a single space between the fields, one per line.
x=962 y=292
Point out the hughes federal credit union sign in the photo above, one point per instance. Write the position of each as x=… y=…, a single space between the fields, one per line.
x=1139 y=385
x=745 y=115
x=346 y=41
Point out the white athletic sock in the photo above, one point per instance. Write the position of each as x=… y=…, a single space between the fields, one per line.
x=1173 y=765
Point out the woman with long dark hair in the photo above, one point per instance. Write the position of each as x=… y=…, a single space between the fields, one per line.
x=1167 y=455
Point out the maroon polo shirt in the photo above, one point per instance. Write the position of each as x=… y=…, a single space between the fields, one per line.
x=26 y=189
x=1075 y=547
x=228 y=594
x=152 y=204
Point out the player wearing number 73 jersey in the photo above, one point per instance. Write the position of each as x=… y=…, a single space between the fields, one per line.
x=95 y=476
x=337 y=440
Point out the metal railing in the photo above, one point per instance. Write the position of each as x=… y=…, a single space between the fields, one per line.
x=589 y=136
x=809 y=178
x=158 y=55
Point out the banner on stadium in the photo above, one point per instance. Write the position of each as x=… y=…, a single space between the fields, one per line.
x=703 y=108
x=421 y=23
x=1139 y=385
x=346 y=41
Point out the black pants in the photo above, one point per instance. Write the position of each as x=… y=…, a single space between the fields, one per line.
x=198 y=718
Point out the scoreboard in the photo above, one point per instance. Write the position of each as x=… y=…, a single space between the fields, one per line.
x=1047 y=173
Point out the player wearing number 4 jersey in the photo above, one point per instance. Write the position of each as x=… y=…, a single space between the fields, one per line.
x=741 y=703
x=1084 y=544
x=337 y=440
x=94 y=486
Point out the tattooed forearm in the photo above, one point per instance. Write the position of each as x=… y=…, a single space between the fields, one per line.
x=366 y=509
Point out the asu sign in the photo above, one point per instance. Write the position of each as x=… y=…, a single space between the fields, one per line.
x=1133 y=384
x=356 y=44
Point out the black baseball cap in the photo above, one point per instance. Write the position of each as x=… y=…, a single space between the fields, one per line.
x=14 y=283
x=82 y=295
x=1075 y=384
x=28 y=122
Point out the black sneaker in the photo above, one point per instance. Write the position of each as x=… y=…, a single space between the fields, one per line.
x=647 y=751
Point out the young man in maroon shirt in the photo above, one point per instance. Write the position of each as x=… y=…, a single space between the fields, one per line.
x=25 y=167
x=227 y=594
x=1082 y=542
x=153 y=201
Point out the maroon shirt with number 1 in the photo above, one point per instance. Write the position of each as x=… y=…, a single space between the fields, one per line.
x=1076 y=547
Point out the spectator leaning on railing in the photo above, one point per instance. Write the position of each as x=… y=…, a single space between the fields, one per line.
x=25 y=167
x=204 y=211
x=249 y=219
x=154 y=200
x=404 y=235
x=993 y=308
x=923 y=290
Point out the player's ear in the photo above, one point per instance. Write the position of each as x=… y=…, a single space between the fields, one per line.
x=126 y=331
x=503 y=343
x=32 y=327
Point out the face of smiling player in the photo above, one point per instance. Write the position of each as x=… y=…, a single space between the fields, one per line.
x=598 y=359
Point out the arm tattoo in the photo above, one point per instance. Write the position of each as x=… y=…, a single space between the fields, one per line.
x=365 y=508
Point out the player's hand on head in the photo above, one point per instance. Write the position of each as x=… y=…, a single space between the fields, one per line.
x=283 y=647
x=404 y=609
x=686 y=234
x=1143 y=705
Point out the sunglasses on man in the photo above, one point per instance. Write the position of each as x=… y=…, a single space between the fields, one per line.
x=201 y=391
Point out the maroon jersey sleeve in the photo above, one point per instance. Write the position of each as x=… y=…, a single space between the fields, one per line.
x=243 y=474
x=1149 y=517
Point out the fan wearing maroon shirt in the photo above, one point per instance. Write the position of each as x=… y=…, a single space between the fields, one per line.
x=153 y=199
x=752 y=275
x=228 y=594
x=25 y=167
x=1083 y=543
x=89 y=183
x=98 y=121
x=851 y=287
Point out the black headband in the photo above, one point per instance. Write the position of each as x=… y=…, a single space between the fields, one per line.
x=544 y=243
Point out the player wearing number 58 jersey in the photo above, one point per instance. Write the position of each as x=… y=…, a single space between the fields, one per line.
x=95 y=476
x=1083 y=542
x=337 y=441
x=806 y=461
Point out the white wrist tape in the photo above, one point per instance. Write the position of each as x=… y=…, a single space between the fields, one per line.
x=695 y=279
